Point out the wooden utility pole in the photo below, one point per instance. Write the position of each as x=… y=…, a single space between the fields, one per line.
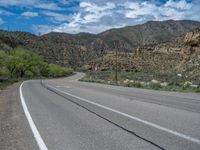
x=118 y=45
x=116 y=61
x=116 y=66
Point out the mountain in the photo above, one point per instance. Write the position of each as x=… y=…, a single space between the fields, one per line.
x=150 y=33
x=77 y=49
x=180 y=56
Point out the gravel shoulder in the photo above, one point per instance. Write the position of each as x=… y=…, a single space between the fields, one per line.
x=15 y=133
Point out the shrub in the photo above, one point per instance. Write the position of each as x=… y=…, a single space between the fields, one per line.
x=28 y=74
x=84 y=68
x=197 y=90
x=187 y=84
x=155 y=86
x=57 y=71
x=133 y=84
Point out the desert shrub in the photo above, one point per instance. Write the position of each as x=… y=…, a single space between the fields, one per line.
x=155 y=86
x=86 y=79
x=131 y=83
x=175 y=81
x=137 y=84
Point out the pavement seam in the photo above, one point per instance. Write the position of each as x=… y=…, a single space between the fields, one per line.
x=129 y=131
x=186 y=137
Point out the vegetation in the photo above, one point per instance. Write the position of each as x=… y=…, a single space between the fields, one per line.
x=57 y=71
x=77 y=49
x=141 y=60
x=5 y=83
x=20 y=63
x=164 y=81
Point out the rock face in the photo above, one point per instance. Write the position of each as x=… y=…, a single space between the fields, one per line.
x=191 y=45
x=191 y=53
x=192 y=38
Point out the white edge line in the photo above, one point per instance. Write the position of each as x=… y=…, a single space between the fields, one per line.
x=33 y=127
x=186 y=137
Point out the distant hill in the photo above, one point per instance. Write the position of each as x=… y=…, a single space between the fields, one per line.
x=77 y=49
x=150 y=33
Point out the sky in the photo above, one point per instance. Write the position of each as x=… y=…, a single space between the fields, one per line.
x=93 y=16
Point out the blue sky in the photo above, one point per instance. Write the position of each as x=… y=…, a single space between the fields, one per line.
x=94 y=16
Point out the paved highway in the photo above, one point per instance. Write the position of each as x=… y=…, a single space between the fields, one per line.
x=67 y=114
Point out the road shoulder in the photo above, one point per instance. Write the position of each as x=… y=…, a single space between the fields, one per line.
x=15 y=132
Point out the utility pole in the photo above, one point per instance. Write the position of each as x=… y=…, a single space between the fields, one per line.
x=116 y=68
x=116 y=61
x=118 y=45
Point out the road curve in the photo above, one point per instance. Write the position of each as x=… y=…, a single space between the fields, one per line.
x=76 y=115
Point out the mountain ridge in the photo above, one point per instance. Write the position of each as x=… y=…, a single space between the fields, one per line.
x=64 y=48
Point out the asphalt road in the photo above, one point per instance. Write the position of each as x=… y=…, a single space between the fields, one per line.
x=86 y=116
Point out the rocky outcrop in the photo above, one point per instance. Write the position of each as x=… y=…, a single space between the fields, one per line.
x=190 y=47
x=192 y=38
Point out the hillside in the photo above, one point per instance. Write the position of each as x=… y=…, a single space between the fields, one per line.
x=150 y=33
x=74 y=50
x=180 y=56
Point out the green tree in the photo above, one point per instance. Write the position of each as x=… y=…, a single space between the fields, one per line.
x=21 y=63
x=4 y=58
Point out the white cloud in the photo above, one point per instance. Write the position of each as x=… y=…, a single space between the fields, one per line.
x=94 y=12
x=57 y=16
x=31 y=3
x=182 y=4
x=89 y=15
x=16 y=2
x=175 y=10
x=95 y=16
x=49 y=6
x=29 y=14
x=75 y=22
x=135 y=9
x=4 y=12
x=94 y=8
x=66 y=2
x=72 y=28
x=170 y=10
x=42 y=29
x=1 y=21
